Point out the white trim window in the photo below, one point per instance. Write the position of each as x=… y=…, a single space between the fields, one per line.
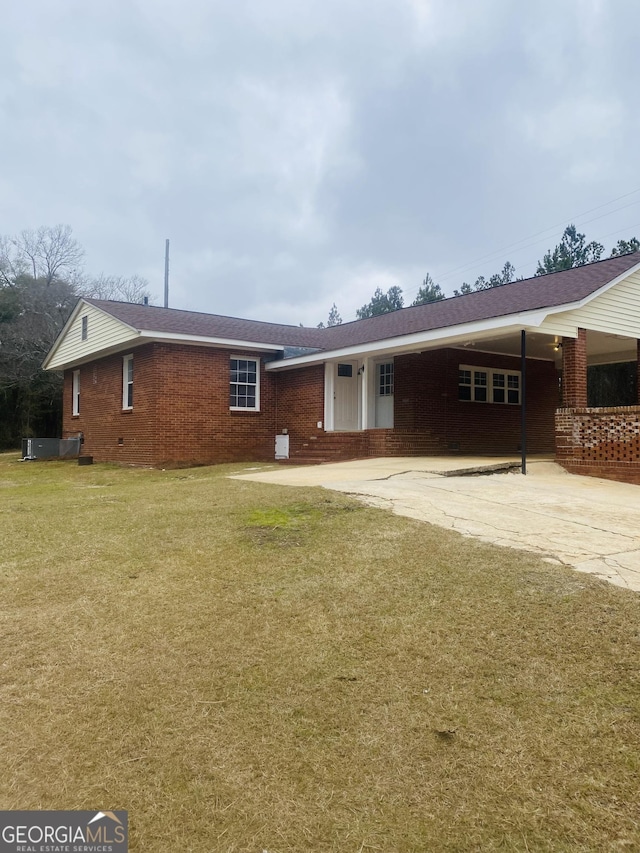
x=127 y=382
x=489 y=385
x=385 y=379
x=244 y=384
x=75 y=392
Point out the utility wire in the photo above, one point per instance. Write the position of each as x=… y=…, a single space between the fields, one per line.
x=576 y=217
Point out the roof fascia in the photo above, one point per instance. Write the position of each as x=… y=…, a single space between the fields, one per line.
x=149 y=336
x=139 y=338
x=447 y=336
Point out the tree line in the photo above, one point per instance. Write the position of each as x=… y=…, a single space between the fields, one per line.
x=42 y=276
x=572 y=251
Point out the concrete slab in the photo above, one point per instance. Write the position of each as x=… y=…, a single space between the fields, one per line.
x=584 y=522
x=381 y=468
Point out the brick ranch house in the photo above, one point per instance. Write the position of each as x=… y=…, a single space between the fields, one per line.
x=157 y=386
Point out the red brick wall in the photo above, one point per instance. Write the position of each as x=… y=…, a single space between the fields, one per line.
x=180 y=413
x=600 y=442
x=574 y=371
x=102 y=419
x=193 y=409
x=300 y=405
x=426 y=399
x=181 y=409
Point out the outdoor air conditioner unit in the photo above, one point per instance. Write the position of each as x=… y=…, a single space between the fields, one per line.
x=50 y=448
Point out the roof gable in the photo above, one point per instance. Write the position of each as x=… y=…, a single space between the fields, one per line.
x=103 y=332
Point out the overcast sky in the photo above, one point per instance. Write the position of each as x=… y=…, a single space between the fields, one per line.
x=303 y=153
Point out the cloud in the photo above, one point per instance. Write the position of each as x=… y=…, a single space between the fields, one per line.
x=298 y=154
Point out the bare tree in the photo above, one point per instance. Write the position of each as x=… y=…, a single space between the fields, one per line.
x=133 y=288
x=48 y=254
x=12 y=264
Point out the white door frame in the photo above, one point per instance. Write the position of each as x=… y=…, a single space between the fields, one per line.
x=330 y=375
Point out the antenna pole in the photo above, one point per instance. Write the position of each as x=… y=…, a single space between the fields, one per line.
x=166 y=274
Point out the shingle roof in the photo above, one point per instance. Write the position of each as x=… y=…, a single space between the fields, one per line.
x=149 y=318
x=540 y=292
x=545 y=291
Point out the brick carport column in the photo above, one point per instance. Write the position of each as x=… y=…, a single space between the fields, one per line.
x=574 y=371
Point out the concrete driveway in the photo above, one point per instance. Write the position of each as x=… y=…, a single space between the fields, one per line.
x=590 y=524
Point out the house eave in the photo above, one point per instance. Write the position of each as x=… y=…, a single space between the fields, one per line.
x=447 y=336
x=138 y=338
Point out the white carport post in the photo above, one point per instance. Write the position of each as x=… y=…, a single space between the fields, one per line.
x=365 y=393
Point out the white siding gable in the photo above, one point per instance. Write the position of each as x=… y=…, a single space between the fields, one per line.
x=103 y=333
x=616 y=312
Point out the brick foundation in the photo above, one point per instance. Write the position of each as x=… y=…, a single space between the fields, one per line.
x=600 y=442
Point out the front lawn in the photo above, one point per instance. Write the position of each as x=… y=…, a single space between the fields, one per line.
x=247 y=667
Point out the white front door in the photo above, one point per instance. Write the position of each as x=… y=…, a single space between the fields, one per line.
x=384 y=394
x=345 y=396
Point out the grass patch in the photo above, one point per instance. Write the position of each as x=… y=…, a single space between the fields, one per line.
x=247 y=667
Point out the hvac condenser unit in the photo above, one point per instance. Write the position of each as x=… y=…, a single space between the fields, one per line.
x=50 y=448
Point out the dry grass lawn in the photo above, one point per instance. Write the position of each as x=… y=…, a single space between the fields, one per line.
x=245 y=667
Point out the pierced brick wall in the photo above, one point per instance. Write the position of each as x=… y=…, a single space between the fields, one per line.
x=600 y=442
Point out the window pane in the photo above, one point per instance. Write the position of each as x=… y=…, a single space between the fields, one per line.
x=127 y=382
x=480 y=386
x=513 y=396
x=498 y=380
x=464 y=384
x=243 y=382
x=345 y=370
x=498 y=395
x=385 y=380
